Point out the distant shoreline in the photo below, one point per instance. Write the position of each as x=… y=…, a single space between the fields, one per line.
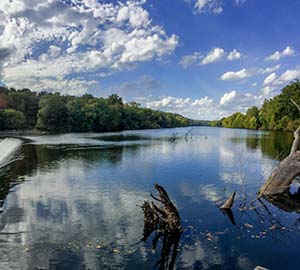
x=37 y=132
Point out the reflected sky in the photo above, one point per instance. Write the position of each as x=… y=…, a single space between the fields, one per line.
x=71 y=201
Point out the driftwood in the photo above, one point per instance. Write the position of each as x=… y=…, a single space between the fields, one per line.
x=226 y=208
x=228 y=204
x=282 y=177
x=164 y=220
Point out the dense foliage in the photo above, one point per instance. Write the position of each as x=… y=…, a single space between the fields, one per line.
x=278 y=113
x=23 y=109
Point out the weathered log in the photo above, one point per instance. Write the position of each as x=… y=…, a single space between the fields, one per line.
x=229 y=202
x=282 y=177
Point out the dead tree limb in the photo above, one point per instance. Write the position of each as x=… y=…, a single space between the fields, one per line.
x=295 y=103
x=296 y=134
x=282 y=177
x=296 y=141
x=229 y=202
x=163 y=218
x=187 y=134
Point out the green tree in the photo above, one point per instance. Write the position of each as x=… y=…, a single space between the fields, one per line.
x=26 y=102
x=278 y=113
x=52 y=114
x=11 y=119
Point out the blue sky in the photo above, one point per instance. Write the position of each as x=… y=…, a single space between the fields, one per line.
x=202 y=58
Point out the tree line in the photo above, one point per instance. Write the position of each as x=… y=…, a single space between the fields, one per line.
x=277 y=113
x=52 y=112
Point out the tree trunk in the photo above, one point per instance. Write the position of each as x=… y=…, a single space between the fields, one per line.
x=280 y=180
x=282 y=177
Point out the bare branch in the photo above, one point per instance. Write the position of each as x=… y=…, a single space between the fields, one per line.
x=296 y=141
x=294 y=102
x=155 y=197
x=296 y=133
x=228 y=204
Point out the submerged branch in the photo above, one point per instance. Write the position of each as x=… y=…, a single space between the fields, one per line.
x=229 y=202
x=163 y=219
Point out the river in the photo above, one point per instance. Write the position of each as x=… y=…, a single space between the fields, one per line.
x=71 y=201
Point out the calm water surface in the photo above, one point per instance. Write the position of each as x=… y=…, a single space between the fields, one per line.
x=71 y=201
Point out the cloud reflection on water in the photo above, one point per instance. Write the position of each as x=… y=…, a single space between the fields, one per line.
x=73 y=198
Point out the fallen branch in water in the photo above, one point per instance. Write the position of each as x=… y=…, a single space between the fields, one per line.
x=229 y=202
x=187 y=134
x=163 y=219
x=175 y=138
x=282 y=177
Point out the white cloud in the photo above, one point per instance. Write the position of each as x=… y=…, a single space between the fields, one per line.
x=288 y=76
x=268 y=91
x=210 y=6
x=228 y=97
x=272 y=81
x=234 y=55
x=270 y=69
x=239 y=102
x=269 y=79
x=214 y=55
x=206 y=108
x=193 y=108
x=246 y=73
x=240 y=2
x=51 y=38
x=288 y=51
x=11 y=7
x=188 y=60
x=236 y=75
x=202 y=102
x=59 y=84
x=169 y=102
